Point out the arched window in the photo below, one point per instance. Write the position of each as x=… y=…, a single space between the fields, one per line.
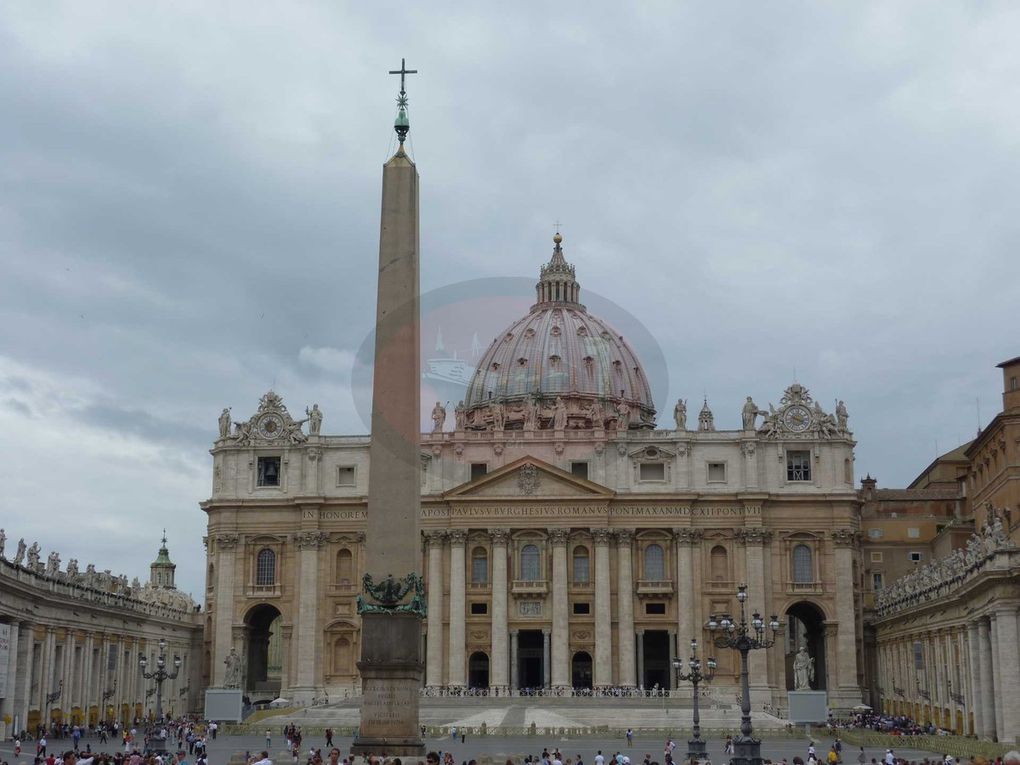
x=803 y=570
x=655 y=564
x=479 y=566
x=344 y=566
x=531 y=564
x=265 y=568
x=582 y=570
x=719 y=564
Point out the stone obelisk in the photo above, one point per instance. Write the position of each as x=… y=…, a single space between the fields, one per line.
x=393 y=602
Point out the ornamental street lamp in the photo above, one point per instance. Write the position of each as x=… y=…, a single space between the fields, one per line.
x=696 y=746
x=159 y=674
x=744 y=637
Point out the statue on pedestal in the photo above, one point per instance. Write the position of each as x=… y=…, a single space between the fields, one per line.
x=314 y=419
x=680 y=414
x=559 y=414
x=623 y=415
x=33 y=556
x=232 y=677
x=749 y=413
x=596 y=415
x=19 y=555
x=438 y=417
x=803 y=670
x=224 y=422
x=841 y=416
x=460 y=416
x=52 y=563
x=530 y=413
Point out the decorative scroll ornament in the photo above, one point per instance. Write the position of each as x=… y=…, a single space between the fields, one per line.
x=272 y=423
x=800 y=416
x=389 y=593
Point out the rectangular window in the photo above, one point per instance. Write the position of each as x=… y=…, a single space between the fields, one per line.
x=913 y=533
x=916 y=557
x=655 y=609
x=269 y=471
x=582 y=609
x=717 y=472
x=652 y=471
x=479 y=609
x=876 y=533
x=345 y=476
x=876 y=557
x=876 y=581
x=479 y=569
x=478 y=469
x=798 y=465
x=579 y=469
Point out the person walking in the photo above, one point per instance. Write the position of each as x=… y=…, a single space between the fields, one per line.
x=630 y=736
x=329 y=737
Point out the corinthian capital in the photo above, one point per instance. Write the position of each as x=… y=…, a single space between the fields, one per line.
x=435 y=538
x=602 y=536
x=624 y=536
x=500 y=536
x=688 y=536
x=559 y=536
x=753 y=535
x=227 y=541
x=311 y=540
x=845 y=537
x=458 y=536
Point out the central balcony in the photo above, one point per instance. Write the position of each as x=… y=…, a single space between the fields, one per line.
x=647 y=587
x=530 y=588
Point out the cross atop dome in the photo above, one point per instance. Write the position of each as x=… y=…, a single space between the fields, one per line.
x=557 y=283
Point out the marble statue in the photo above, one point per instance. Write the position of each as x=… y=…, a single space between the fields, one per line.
x=438 y=417
x=841 y=415
x=623 y=416
x=225 y=423
x=90 y=575
x=3 y=541
x=460 y=416
x=749 y=413
x=803 y=670
x=826 y=422
x=498 y=415
x=680 y=414
x=596 y=415
x=232 y=677
x=72 y=569
x=135 y=585
x=33 y=556
x=52 y=563
x=559 y=414
x=314 y=419
x=530 y=413
x=19 y=555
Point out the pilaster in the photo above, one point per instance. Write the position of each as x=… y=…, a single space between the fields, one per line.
x=603 y=674
x=625 y=607
x=456 y=669
x=560 y=619
x=434 y=644
x=499 y=660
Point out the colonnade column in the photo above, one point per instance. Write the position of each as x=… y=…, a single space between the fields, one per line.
x=23 y=679
x=685 y=541
x=499 y=662
x=7 y=702
x=434 y=644
x=974 y=693
x=603 y=616
x=845 y=541
x=514 y=682
x=1009 y=673
x=625 y=607
x=308 y=661
x=458 y=538
x=223 y=640
x=993 y=636
x=560 y=620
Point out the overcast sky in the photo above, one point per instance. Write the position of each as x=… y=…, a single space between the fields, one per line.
x=189 y=215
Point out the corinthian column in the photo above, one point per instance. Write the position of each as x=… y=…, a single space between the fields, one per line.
x=625 y=606
x=1009 y=673
x=223 y=639
x=754 y=539
x=457 y=607
x=499 y=664
x=308 y=660
x=434 y=644
x=685 y=540
x=603 y=615
x=985 y=684
x=845 y=540
x=560 y=620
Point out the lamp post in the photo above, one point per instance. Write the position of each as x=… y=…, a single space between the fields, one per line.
x=160 y=674
x=744 y=637
x=696 y=746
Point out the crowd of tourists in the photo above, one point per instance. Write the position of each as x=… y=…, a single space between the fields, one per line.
x=896 y=725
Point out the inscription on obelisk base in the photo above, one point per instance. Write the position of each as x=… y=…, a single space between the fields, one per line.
x=390 y=684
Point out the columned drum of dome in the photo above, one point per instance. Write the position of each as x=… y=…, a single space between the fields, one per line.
x=559 y=367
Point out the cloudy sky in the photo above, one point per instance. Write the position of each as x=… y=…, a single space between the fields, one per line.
x=189 y=215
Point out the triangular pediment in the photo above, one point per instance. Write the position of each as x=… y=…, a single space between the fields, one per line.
x=529 y=477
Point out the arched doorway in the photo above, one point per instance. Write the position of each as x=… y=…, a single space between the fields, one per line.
x=478 y=670
x=580 y=670
x=264 y=650
x=806 y=629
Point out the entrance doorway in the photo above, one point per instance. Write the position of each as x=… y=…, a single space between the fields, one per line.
x=262 y=621
x=580 y=670
x=656 y=653
x=806 y=628
x=530 y=667
x=478 y=670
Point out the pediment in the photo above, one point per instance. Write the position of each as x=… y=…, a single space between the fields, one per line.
x=529 y=477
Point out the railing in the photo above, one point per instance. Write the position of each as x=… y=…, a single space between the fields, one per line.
x=804 y=588
x=479 y=586
x=344 y=588
x=654 y=586
x=530 y=587
x=264 y=590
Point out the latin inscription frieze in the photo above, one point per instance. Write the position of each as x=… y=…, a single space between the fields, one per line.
x=537 y=511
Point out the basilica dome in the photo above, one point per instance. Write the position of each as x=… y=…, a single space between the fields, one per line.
x=558 y=367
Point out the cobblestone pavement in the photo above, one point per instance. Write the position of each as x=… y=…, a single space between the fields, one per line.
x=498 y=748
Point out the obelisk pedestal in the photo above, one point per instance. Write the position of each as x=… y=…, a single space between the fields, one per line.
x=393 y=602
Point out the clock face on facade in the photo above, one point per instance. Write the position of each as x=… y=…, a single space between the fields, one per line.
x=797 y=418
x=271 y=426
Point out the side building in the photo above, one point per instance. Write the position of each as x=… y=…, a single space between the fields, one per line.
x=943 y=597
x=70 y=642
x=568 y=543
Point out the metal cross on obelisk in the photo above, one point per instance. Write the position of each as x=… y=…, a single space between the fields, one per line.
x=402 y=124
